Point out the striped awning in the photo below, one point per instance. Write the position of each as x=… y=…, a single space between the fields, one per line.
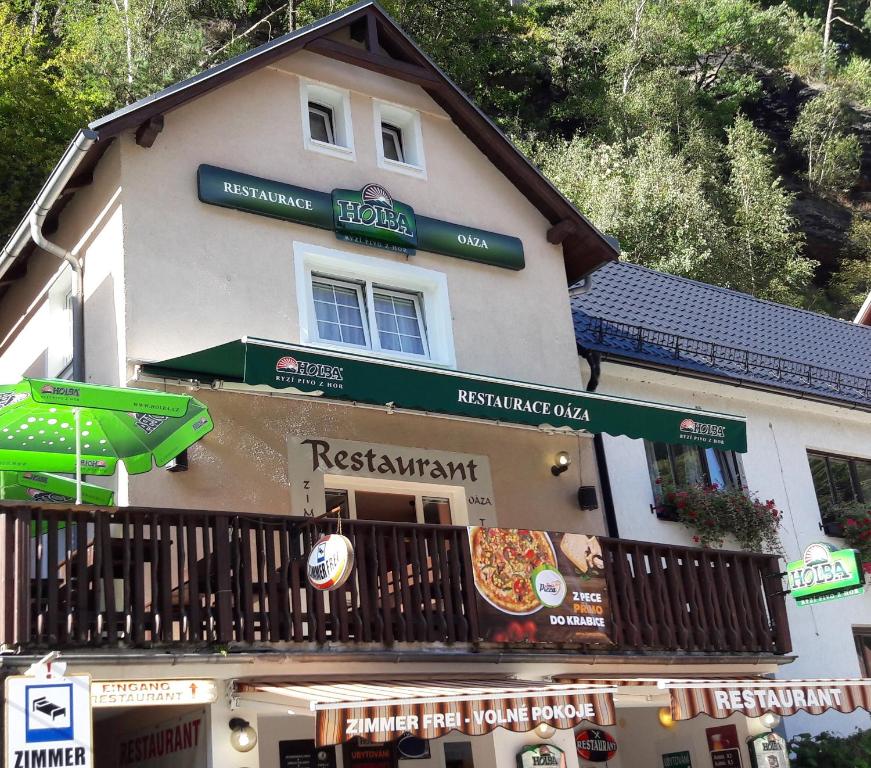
x=382 y=710
x=722 y=698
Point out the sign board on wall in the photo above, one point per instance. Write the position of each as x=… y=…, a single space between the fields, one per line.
x=310 y=458
x=825 y=573
x=176 y=743
x=48 y=722
x=369 y=217
x=302 y=753
x=595 y=745
x=677 y=760
x=724 y=746
x=366 y=754
x=151 y=693
x=540 y=587
x=537 y=755
x=768 y=750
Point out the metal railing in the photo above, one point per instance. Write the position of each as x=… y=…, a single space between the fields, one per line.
x=734 y=361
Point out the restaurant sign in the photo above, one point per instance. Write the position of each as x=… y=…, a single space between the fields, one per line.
x=595 y=745
x=364 y=380
x=536 y=755
x=540 y=587
x=369 y=216
x=825 y=573
x=152 y=693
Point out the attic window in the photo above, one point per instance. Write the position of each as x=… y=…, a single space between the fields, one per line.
x=401 y=146
x=326 y=119
x=320 y=120
x=391 y=136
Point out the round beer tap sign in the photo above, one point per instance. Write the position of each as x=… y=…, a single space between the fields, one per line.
x=330 y=562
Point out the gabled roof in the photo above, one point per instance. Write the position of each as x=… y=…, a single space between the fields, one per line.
x=657 y=320
x=385 y=49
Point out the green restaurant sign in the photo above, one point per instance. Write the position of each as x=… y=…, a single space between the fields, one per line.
x=305 y=370
x=825 y=573
x=369 y=217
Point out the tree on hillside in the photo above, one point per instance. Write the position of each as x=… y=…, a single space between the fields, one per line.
x=763 y=235
x=36 y=117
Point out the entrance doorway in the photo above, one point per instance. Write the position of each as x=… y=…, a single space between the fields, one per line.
x=394 y=502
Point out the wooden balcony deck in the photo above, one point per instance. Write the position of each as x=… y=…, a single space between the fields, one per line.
x=162 y=578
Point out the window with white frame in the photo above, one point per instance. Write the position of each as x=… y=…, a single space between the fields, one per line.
x=399 y=142
x=348 y=300
x=326 y=119
x=682 y=465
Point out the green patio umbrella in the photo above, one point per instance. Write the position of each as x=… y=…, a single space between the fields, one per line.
x=54 y=425
x=50 y=489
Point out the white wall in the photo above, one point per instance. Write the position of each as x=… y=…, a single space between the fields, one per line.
x=780 y=430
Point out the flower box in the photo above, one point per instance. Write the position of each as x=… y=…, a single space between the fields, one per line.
x=666 y=512
x=834 y=528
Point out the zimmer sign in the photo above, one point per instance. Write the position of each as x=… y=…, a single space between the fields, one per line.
x=824 y=573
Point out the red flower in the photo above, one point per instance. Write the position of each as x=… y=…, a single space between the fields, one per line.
x=659 y=481
x=850 y=521
x=696 y=539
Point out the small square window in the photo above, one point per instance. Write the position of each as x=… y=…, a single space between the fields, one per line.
x=320 y=120
x=401 y=146
x=326 y=119
x=391 y=136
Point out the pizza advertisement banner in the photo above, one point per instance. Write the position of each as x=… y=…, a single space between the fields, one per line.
x=540 y=587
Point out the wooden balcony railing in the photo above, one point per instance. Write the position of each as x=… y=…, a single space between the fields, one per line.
x=158 y=578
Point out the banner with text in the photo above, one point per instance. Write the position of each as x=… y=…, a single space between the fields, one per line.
x=540 y=587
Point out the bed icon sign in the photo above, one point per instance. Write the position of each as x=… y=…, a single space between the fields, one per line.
x=48 y=712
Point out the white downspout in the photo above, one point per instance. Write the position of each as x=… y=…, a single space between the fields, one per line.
x=49 y=194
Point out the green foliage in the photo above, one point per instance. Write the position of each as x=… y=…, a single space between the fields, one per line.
x=856 y=520
x=854 y=80
x=851 y=284
x=821 y=134
x=36 y=117
x=766 y=248
x=714 y=514
x=711 y=214
x=827 y=750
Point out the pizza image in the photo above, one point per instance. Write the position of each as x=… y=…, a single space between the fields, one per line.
x=503 y=560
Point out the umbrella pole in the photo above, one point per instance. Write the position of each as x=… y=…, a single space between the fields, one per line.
x=78 y=456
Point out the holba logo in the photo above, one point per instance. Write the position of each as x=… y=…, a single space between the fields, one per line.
x=287 y=365
x=701 y=428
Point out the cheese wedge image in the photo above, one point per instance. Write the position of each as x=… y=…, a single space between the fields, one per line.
x=584 y=552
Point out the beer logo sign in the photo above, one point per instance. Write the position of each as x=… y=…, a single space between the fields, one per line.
x=824 y=573
x=595 y=745
x=330 y=562
x=372 y=217
x=690 y=426
x=537 y=755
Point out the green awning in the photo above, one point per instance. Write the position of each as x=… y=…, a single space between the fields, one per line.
x=342 y=376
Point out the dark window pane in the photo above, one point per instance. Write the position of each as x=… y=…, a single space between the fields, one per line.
x=688 y=468
x=820 y=476
x=840 y=471
x=392 y=140
x=863 y=475
x=320 y=121
x=658 y=464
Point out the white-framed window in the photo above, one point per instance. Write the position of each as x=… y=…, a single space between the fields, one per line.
x=351 y=301
x=326 y=119
x=364 y=498
x=59 y=356
x=399 y=140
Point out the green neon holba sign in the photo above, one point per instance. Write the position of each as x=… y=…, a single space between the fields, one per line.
x=825 y=573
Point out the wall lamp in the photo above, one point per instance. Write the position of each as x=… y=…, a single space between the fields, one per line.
x=561 y=463
x=665 y=717
x=770 y=720
x=545 y=730
x=243 y=738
